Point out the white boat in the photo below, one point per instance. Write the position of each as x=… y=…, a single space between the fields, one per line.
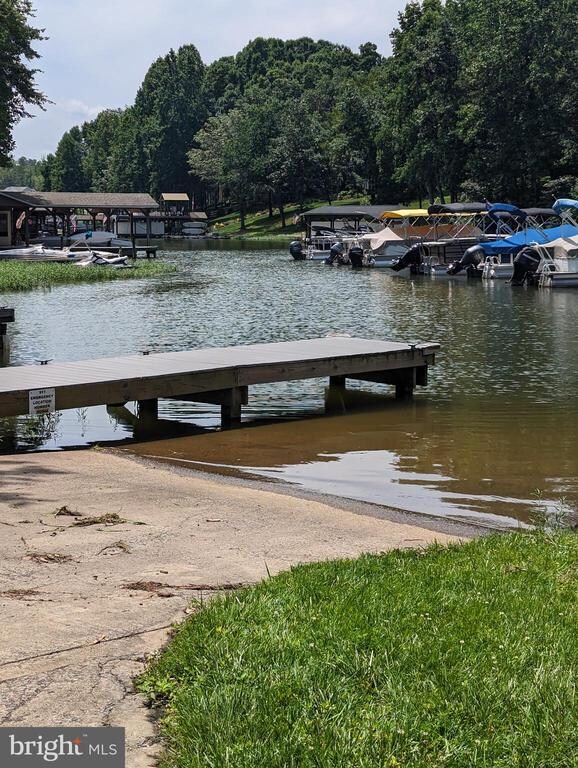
x=36 y=253
x=100 y=259
x=383 y=246
x=100 y=238
x=559 y=265
x=497 y=267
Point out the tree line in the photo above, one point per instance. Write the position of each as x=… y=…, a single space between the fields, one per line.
x=478 y=99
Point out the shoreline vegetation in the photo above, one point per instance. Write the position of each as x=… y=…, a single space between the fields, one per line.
x=260 y=226
x=28 y=276
x=448 y=656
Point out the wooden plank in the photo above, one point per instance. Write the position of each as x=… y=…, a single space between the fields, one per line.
x=177 y=374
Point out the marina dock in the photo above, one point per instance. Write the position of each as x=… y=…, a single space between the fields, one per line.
x=218 y=375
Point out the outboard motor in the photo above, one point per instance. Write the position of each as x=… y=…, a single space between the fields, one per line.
x=470 y=261
x=356 y=257
x=413 y=258
x=525 y=265
x=296 y=250
x=335 y=254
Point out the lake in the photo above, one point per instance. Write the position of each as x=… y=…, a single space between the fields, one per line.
x=493 y=437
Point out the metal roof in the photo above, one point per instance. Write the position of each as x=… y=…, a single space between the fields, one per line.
x=87 y=200
x=175 y=197
x=349 y=211
x=458 y=208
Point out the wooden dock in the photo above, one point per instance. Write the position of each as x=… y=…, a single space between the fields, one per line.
x=219 y=375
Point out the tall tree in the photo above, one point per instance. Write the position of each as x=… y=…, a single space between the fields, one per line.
x=99 y=137
x=17 y=87
x=67 y=174
x=170 y=109
x=423 y=99
x=519 y=75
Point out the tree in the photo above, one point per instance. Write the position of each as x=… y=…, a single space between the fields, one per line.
x=99 y=137
x=67 y=173
x=519 y=79
x=170 y=110
x=24 y=172
x=296 y=156
x=423 y=99
x=17 y=86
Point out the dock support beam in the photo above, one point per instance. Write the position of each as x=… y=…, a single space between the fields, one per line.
x=403 y=379
x=148 y=409
x=231 y=400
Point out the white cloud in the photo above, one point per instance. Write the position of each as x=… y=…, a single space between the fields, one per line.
x=78 y=108
x=98 y=51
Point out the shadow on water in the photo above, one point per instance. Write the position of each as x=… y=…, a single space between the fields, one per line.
x=498 y=421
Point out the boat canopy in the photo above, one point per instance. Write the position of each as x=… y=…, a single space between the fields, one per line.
x=347 y=211
x=564 y=248
x=498 y=211
x=545 y=212
x=100 y=237
x=528 y=237
x=470 y=208
x=376 y=239
x=565 y=203
x=405 y=213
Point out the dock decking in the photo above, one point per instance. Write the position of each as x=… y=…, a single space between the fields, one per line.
x=220 y=375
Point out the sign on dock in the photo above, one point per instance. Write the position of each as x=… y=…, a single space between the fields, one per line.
x=41 y=401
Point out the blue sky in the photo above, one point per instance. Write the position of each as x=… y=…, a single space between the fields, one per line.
x=99 y=51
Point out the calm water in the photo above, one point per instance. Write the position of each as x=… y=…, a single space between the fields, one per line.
x=493 y=436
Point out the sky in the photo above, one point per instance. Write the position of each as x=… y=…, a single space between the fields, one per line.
x=98 y=51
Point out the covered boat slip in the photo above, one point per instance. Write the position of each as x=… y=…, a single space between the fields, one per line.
x=218 y=375
x=19 y=206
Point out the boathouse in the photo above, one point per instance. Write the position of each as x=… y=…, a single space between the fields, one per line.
x=21 y=207
x=175 y=204
x=342 y=216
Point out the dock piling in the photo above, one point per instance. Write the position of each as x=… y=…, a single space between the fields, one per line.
x=6 y=316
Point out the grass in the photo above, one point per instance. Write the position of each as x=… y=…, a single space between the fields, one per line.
x=258 y=225
x=26 y=276
x=455 y=657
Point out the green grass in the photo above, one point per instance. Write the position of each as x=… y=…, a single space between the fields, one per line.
x=26 y=276
x=455 y=657
x=258 y=225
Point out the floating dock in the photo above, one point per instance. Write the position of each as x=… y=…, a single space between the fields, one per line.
x=218 y=375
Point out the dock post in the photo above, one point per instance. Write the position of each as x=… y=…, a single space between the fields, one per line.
x=337 y=382
x=6 y=316
x=4 y=346
x=405 y=381
x=148 y=409
x=231 y=409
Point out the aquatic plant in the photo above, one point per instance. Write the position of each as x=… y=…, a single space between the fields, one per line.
x=27 y=276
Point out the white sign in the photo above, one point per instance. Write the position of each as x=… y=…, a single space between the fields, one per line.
x=41 y=401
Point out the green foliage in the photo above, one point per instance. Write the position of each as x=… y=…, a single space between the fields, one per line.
x=478 y=96
x=67 y=171
x=23 y=173
x=26 y=276
x=453 y=657
x=17 y=87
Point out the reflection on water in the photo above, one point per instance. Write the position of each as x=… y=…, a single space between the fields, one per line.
x=497 y=422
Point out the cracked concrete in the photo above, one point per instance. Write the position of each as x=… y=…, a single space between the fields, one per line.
x=73 y=636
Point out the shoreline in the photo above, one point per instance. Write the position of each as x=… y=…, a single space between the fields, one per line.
x=89 y=594
x=430 y=522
